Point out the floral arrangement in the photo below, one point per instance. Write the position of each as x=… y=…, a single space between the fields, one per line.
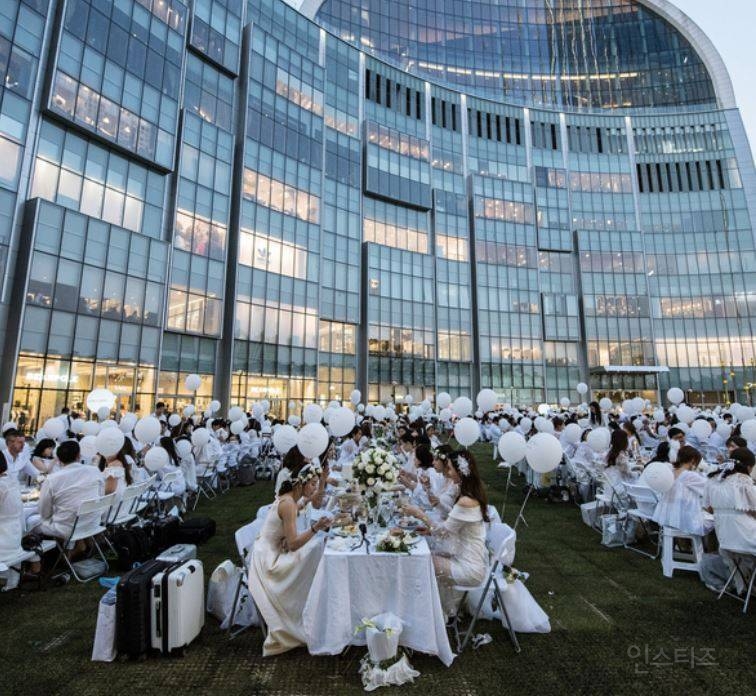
x=375 y=469
x=391 y=543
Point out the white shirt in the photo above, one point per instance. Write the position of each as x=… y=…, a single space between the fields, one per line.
x=11 y=520
x=63 y=492
x=20 y=467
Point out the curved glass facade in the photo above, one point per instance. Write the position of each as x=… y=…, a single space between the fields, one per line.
x=584 y=54
x=298 y=216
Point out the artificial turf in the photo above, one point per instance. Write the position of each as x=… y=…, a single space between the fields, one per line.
x=618 y=627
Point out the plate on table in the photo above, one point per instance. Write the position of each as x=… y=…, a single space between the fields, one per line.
x=408 y=524
x=348 y=530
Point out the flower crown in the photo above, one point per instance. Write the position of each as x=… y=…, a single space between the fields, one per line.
x=464 y=466
x=308 y=472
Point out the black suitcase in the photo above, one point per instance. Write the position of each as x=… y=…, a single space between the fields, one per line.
x=133 y=602
x=164 y=533
x=196 y=530
x=132 y=545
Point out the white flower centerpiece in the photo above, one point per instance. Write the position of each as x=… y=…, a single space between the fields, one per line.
x=375 y=470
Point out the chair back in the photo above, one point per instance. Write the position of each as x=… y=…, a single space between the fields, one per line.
x=89 y=518
x=645 y=498
x=142 y=500
x=168 y=478
x=245 y=538
x=262 y=512
x=501 y=540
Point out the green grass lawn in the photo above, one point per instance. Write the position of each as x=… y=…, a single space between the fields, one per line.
x=608 y=607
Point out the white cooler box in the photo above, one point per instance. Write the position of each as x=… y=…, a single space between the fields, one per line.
x=178 y=553
x=178 y=606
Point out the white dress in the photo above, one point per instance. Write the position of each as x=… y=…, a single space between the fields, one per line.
x=11 y=518
x=681 y=506
x=119 y=474
x=279 y=582
x=732 y=499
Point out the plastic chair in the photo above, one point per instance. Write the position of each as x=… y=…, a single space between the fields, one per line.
x=737 y=557
x=245 y=538
x=645 y=500
x=681 y=560
x=88 y=525
x=128 y=507
x=502 y=539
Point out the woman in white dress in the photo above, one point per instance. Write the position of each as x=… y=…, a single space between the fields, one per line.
x=681 y=506
x=42 y=458
x=462 y=558
x=284 y=562
x=11 y=516
x=116 y=471
x=187 y=464
x=731 y=496
x=618 y=468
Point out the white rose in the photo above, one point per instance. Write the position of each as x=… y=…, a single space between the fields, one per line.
x=371 y=481
x=370 y=469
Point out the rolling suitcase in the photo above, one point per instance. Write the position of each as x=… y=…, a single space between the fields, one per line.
x=133 y=607
x=178 y=606
x=195 y=530
x=178 y=553
x=164 y=533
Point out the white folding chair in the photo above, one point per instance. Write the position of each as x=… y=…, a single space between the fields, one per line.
x=738 y=558
x=206 y=481
x=128 y=507
x=645 y=500
x=245 y=541
x=502 y=540
x=11 y=569
x=89 y=524
x=164 y=490
x=679 y=560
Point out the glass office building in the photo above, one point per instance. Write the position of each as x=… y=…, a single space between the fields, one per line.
x=295 y=198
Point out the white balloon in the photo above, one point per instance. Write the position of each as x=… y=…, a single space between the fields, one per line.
x=312 y=413
x=583 y=423
x=748 y=429
x=659 y=415
x=155 y=459
x=100 y=397
x=237 y=427
x=701 y=429
x=258 y=411
x=486 y=400
x=103 y=413
x=294 y=421
x=355 y=397
x=466 y=431
x=544 y=425
x=565 y=402
x=573 y=433
x=342 y=421
x=128 y=422
x=659 y=476
x=425 y=406
x=598 y=440
x=380 y=412
x=90 y=428
x=327 y=414
x=526 y=424
x=582 y=388
x=312 y=440
x=638 y=404
x=214 y=406
x=88 y=447
x=685 y=414
x=724 y=430
x=512 y=447
x=443 y=400
x=662 y=431
x=236 y=413
x=543 y=409
x=110 y=423
x=200 y=437
x=745 y=413
x=408 y=399
x=192 y=382
x=109 y=441
x=675 y=395
x=684 y=427
x=462 y=407
x=606 y=404
x=77 y=425
x=445 y=415
x=54 y=428
x=360 y=408
x=147 y=429
x=188 y=411
x=543 y=453
x=174 y=419
x=284 y=438
x=183 y=448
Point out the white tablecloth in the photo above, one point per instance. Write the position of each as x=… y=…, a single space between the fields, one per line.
x=351 y=586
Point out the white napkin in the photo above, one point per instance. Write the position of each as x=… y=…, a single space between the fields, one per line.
x=341 y=543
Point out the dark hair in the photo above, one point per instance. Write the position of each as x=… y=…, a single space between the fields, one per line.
x=618 y=444
x=424 y=456
x=168 y=445
x=294 y=461
x=68 y=452
x=12 y=432
x=121 y=457
x=443 y=452
x=407 y=437
x=674 y=432
x=662 y=452
x=356 y=430
x=631 y=430
x=743 y=460
x=42 y=445
x=127 y=449
x=595 y=412
x=471 y=485
x=737 y=441
x=687 y=454
x=160 y=404
x=3 y=466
